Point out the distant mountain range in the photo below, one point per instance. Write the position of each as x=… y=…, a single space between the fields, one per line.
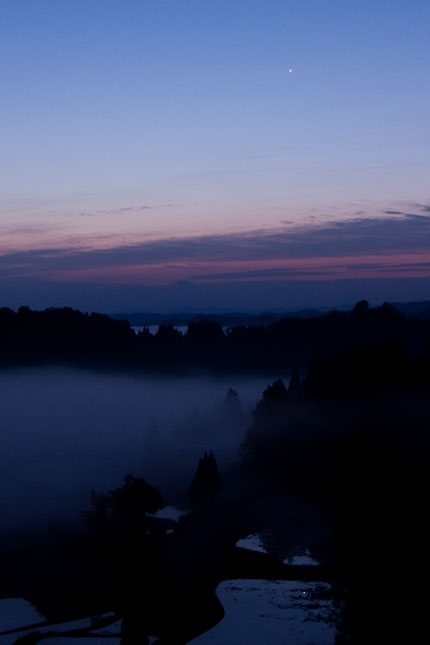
x=420 y=309
x=229 y=319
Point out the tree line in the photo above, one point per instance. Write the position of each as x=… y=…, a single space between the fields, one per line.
x=68 y=336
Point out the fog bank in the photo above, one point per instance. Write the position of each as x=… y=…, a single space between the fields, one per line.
x=64 y=432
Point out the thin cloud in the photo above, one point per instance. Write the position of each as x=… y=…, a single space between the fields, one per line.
x=124 y=209
x=269 y=274
x=120 y=210
x=407 y=233
x=407 y=214
x=411 y=206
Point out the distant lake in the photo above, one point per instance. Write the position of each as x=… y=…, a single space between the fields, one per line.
x=154 y=328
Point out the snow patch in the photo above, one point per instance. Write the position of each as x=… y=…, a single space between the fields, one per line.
x=252 y=543
x=169 y=513
x=262 y=611
x=303 y=559
x=15 y=612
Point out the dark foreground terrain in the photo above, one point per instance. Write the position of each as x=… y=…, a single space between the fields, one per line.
x=335 y=464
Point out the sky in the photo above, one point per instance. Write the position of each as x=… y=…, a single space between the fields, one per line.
x=171 y=155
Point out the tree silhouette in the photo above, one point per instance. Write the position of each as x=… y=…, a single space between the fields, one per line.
x=207 y=480
x=295 y=385
x=273 y=403
x=135 y=498
x=232 y=404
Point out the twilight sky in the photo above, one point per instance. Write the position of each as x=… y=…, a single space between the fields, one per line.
x=160 y=154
